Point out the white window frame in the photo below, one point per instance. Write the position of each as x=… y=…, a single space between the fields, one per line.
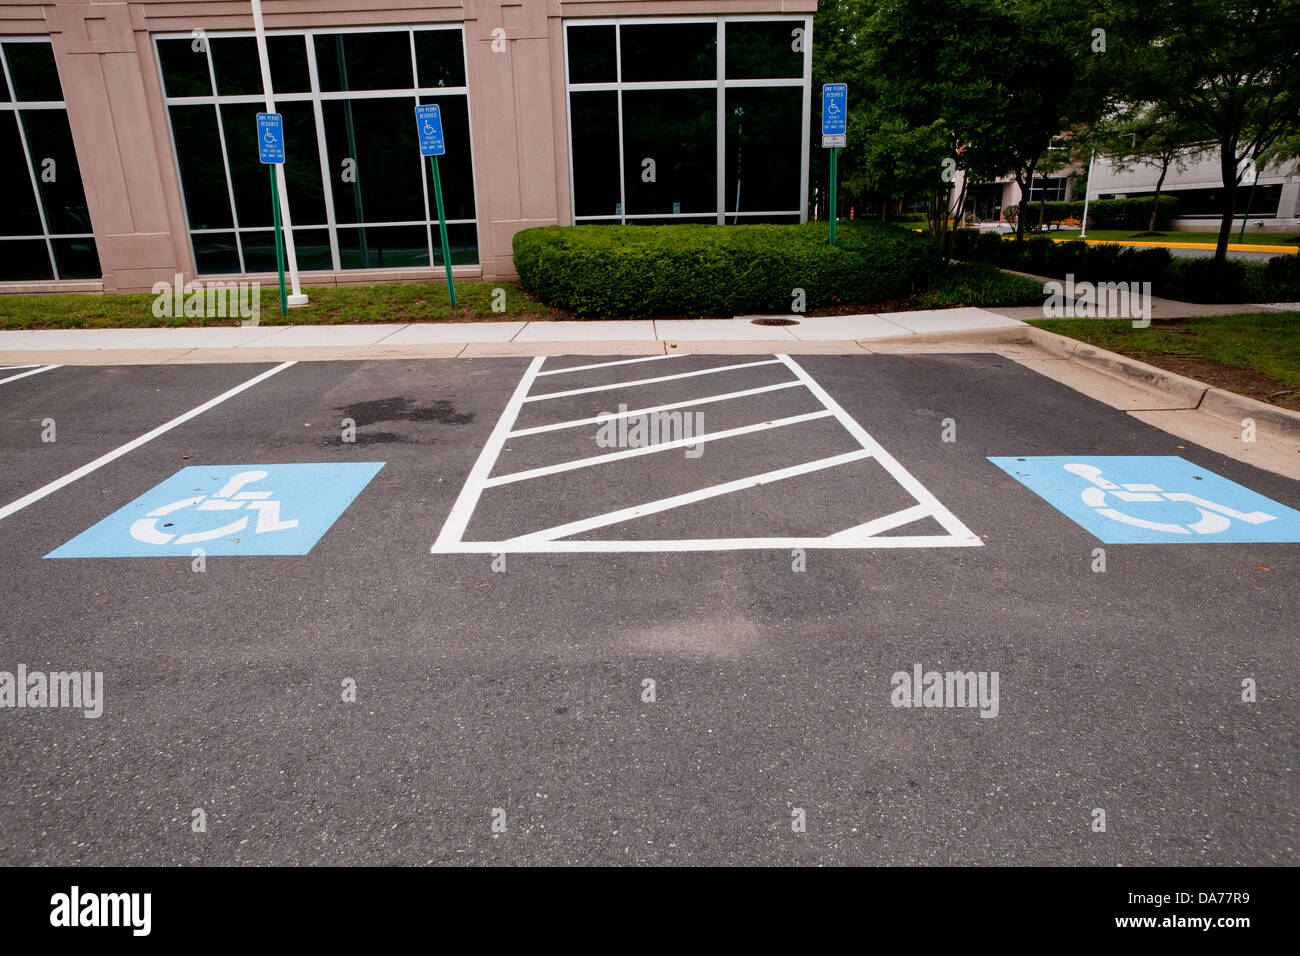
x=317 y=97
x=719 y=83
x=17 y=108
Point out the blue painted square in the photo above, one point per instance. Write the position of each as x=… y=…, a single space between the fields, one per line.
x=228 y=509
x=1142 y=499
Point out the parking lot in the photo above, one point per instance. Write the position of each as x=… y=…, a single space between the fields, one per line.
x=494 y=619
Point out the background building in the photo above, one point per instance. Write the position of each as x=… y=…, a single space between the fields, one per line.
x=1198 y=186
x=127 y=130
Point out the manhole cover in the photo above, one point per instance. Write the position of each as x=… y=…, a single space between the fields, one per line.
x=775 y=321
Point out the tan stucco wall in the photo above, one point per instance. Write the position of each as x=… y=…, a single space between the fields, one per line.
x=516 y=98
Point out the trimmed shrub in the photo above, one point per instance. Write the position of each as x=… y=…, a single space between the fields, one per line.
x=690 y=269
x=1186 y=279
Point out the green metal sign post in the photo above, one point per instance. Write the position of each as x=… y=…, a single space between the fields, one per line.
x=835 y=178
x=835 y=127
x=270 y=150
x=442 y=229
x=428 y=124
x=279 y=242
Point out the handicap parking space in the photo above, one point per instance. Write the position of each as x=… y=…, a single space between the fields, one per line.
x=54 y=423
x=499 y=569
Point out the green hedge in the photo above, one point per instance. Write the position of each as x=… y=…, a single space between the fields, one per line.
x=1184 y=279
x=596 y=271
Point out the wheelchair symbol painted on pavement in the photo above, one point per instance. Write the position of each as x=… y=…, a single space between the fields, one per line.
x=230 y=510
x=229 y=498
x=1137 y=499
x=1214 y=517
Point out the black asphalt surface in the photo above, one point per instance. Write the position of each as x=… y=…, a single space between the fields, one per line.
x=522 y=690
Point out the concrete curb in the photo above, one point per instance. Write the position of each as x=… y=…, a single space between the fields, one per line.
x=1218 y=402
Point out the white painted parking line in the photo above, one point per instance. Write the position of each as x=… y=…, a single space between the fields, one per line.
x=558 y=539
x=6 y=368
x=652 y=449
x=611 y=416
x=116 y=453
x=34 y=371
x=454 y=528
x=677 y=501
x=897 y=471
x=583 y=368
x=648 y=381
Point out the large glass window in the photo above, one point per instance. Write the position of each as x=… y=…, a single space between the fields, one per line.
x=45 y=230
x=360 y=194
x=692 y=120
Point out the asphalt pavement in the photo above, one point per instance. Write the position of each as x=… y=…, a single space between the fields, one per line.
x=508 y=637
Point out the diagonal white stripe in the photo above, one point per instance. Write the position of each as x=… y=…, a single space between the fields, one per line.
x=900 y=474
x=583 y=368
x=116 y=453
x=652 y=449
x=35 y=371
x=884 y=523
x=649 y=381
x=677 y=501
x=611 y=416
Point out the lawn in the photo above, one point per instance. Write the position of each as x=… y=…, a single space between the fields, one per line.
x=1253 y=353
x=1122 y=235
x=973 y=284
x=329 y=305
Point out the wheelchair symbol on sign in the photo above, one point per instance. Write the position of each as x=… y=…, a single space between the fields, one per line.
x=1214 y=517
x=229 y=498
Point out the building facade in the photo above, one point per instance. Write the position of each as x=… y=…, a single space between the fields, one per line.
x=1268 y=202
x=128 y=130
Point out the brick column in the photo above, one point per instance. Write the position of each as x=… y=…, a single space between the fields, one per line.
x=109 y=76
x=517 y=106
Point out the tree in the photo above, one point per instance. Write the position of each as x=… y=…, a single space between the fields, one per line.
x=1228 y=69
x=1139 y=135
x=935 y=69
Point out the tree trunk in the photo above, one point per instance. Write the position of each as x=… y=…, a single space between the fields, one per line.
x=1024 y=200
x=1155 y=200
x=1228 y=205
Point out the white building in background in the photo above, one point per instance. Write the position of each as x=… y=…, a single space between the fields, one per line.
x=1274 y=207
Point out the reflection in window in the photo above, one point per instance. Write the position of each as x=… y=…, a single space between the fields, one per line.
x=669 y=51
x=647 y=141
x=596 y=190
x=356 y=182
x=765 y=49
x=762 y=158
x=45 y=228
x=670 y=143
x=364 y=61
x=592 y=55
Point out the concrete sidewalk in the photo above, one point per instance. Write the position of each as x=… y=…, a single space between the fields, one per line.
x=638 y=336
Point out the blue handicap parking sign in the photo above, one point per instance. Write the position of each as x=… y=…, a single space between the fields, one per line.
x=428 y=125
x=835 y=109
x=270 y=138
x=1142 y=499
x=228 y=509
